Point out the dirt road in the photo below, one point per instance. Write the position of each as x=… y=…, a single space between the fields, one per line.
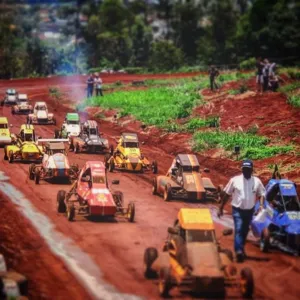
x=117 y=247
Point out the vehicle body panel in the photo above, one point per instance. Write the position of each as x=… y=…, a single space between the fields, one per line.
x=281 y=215
x=5 y=135
x=186 y=181
x=41 y=115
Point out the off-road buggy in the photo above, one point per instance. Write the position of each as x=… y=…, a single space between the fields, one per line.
x=193 y=260
x=41 y=115
x=128 y=156
x=5 y=135
x=70 y=127
x=89 y=139
x=90 y=196
x=23 y=147
x=22 y=106
x=55 y=163
x=185 y=181
x=10 y=97
x=278 y=225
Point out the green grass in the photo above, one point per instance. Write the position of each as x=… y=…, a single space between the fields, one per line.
x=252 y=146
x=160 y=106
x=154 y=106
x=293 y=73
x=290 y=87
x=289 y=90
x=294 y=100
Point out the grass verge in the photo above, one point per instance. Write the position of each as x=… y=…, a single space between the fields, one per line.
x=252 y=146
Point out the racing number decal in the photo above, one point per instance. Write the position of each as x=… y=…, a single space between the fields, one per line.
x=189 y=179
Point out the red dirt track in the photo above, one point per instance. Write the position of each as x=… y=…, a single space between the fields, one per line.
x=117 y=247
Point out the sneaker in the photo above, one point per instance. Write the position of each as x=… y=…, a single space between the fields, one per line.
x=239 y=257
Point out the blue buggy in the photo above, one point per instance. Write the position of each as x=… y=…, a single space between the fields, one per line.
x=279 y=225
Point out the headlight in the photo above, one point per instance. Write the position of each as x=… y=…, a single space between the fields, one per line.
x=105 y=142
x=89 y=142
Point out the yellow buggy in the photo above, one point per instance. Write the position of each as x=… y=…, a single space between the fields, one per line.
x=128 y=156
x=193 y=260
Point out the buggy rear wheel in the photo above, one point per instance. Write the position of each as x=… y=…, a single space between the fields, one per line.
x=37 y=176
x=150 y=256
x=31 y=171
x=219 y=193
x=111 y=166
x=77 y=148
x=264 y=243
x=247 y=283
x=11 y=157
x=56 y=134
x=111 y=149
x=5 y=153
x=60 y=202
x=131 y=212
x=164 y=282
x=168 y=192
x=71 y=212
x=154 y=167
x=154 y=186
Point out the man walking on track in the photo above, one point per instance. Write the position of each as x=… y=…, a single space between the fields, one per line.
x=244 y=190
x=213 y=74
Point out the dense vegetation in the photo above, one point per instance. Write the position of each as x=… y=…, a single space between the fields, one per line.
x=117 y=34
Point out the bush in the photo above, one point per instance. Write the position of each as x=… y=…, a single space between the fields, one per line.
x=294 y=100
x=293 y=74
x=248 y=64
x=135 y=70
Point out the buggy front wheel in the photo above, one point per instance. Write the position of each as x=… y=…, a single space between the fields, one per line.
x=264 y=243
x=71 y=213
x=168 y=192
x=154 y=186
x=164 y=282
x=131 y=212
x=247 y=283
x=60 y=202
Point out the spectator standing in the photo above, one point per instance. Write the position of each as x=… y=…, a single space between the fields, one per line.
x=259 y=74
x=90 y=86
x=266 y=74
x=244 y=190
x=274 y=81
x=213 y=74
x=98 y=85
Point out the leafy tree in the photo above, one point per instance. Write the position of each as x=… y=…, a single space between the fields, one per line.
x=141 y=36
x=165 y=56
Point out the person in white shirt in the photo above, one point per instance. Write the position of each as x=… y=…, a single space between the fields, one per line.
x=244 y=190
x=98 y=85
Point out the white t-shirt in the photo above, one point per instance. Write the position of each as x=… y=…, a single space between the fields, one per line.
x=98 y=82
x=244 y=191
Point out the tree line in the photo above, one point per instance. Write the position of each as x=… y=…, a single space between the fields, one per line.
x=118 y=34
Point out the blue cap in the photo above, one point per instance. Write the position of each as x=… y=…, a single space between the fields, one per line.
x=247 y=163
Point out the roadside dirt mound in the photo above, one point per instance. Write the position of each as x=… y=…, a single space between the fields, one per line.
x=270 y=113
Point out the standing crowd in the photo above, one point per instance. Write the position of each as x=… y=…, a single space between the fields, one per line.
x=266 y=77
x=94 y=82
